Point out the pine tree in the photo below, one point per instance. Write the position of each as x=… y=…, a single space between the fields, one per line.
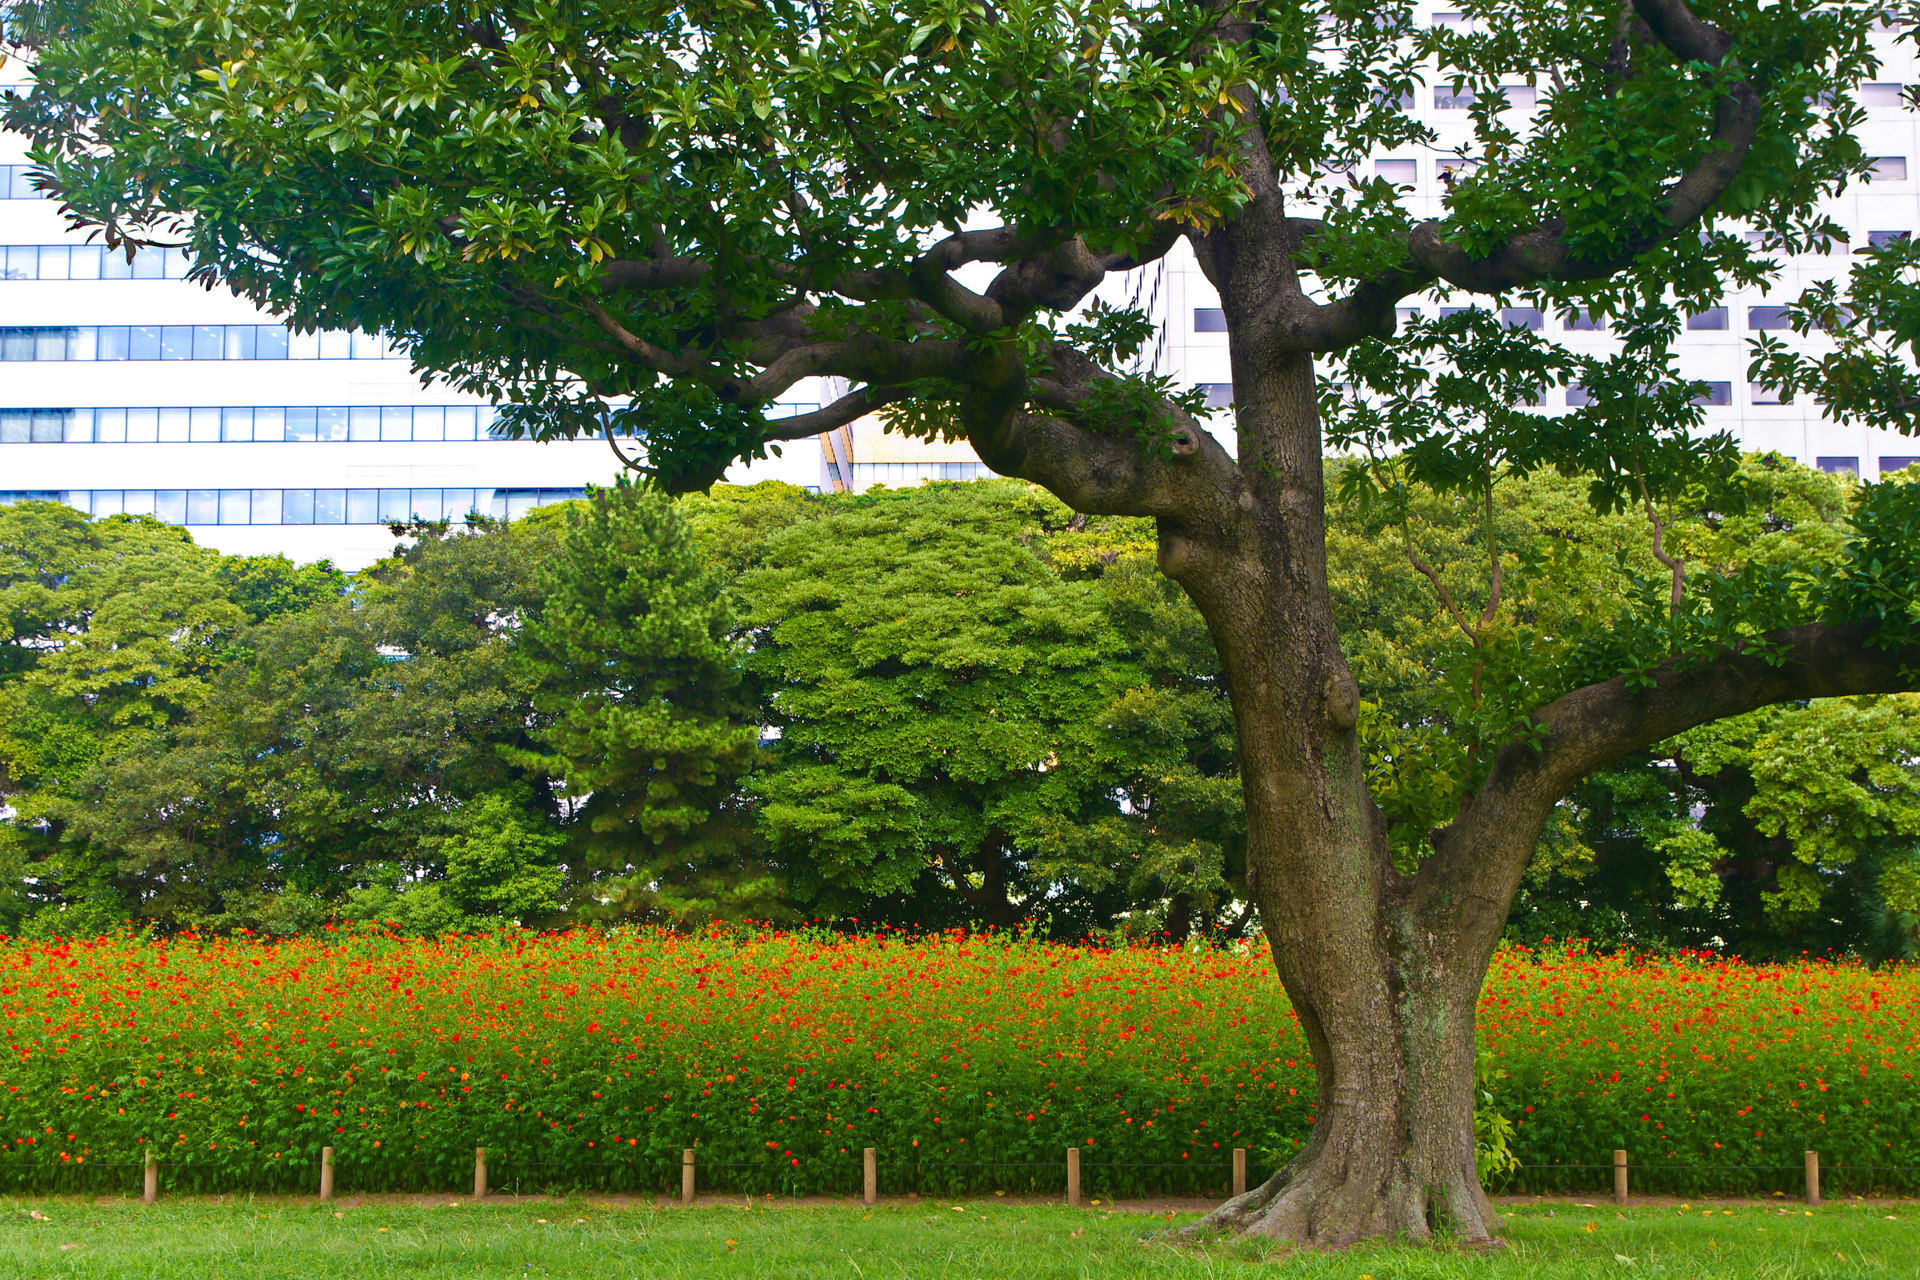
x=646 y=723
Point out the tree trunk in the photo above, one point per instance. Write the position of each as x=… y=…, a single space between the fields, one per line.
x=1385 y=984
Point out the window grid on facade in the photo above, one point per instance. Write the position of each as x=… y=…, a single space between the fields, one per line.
x=186 y=342
x=90 y=262
x=14 y=184
x=265 y=424
x=900 y=474
x=300 y=506
x=213 y=424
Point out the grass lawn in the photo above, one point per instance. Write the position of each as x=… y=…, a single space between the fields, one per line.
x=586 y=1239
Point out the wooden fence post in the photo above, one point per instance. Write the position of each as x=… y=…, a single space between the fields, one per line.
x=479 y=1173
x=150 y=1191
x=1073 y=1176
x=1619 y=1177
x=869 y=1167
x=326 y=1173
x=1239 y=1171
x=686 y=1176
x=1813 y=1177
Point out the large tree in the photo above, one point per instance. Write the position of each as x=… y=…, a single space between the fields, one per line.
x=699 y=206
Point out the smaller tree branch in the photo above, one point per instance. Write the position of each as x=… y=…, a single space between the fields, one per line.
x=656 y=358
x=848 y=408
x=861 y=358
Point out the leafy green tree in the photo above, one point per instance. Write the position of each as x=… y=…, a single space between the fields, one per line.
x=117 y=631
x=501 y=866
x=268 y=586
x=344 y=746
x=936 y=690
x=1175 y=845
x=642 y=215
x=646 y=722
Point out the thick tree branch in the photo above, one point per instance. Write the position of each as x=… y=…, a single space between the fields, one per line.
x=1073 y=451
x=653 y=273
x=1482 y=855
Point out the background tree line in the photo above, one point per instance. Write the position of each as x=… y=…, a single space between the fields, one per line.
x=960 y=703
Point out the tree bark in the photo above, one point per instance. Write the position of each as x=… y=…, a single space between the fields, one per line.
x=1385 y=1001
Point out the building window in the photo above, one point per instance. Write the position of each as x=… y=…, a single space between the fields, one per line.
x=1883 y=96
x=1711 y=318
x=1888 y=168
x=1219 y=394
x=902 y=474
x=1578 y=397
x=1401 y=173
x=1451 y=169
x=90 y=262
x=1406 y=315
x=1717 y=393
x=1767 y=318
x=15 y=184
x=1520 y=97
x=186 y=342
x=1760 y=394
x=1523 y=318
x=1881 y=239
x=1209 y=320
x=1890 y=465
x=35 y=426
x=1840 y=466
x=264 y=424
x=1447 y=98
x=1585 y=321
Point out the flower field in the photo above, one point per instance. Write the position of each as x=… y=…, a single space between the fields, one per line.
x=591 y=1060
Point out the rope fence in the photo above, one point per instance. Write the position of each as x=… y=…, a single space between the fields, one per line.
x=1073 y=1177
